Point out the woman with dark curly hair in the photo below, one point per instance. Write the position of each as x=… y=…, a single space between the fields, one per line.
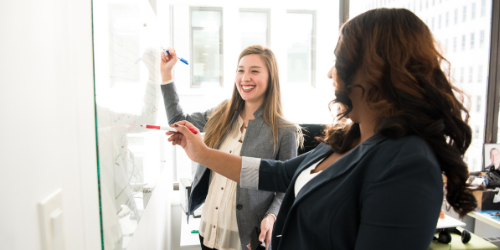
x=375 y=182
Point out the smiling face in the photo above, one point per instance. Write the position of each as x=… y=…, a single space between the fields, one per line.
x=252 y=79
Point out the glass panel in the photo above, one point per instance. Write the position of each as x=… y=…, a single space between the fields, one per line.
x=464 y=56
x=299 y=44
x=130 y=158
x=253 y=27
x=206 y=46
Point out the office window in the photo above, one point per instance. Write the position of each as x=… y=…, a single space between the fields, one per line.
x=301 y=36
x=456 y=16
x=478 y=104
x=471 y=73
x=481 y=38
x=447 y=18
x=206 y=46
x=432 y=23
x=420 y=4
x=463 y=42
x=409 y=6
x=433 y=2
x=472 y=40
x=462 y=72
x=254 y=27
x=480 y=73
x=476 y=136
x=446 y=45
x=439 y=22
x=473 y=14
x=426 y=4
x=465 y=14
x=454 y=44
x=483 y=8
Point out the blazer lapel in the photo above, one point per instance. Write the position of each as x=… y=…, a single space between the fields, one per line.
x=338 y=168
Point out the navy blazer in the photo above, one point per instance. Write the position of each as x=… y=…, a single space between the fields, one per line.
x=384 y=194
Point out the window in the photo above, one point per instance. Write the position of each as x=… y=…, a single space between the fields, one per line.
x=463 y=42
x=478 y=104
x=420 y=4
x=481 y=38
x=473 y=14
x=456 y=16
x=447 y=18
x=465 y=14
x=476 y=136
x=446 y=45
x=255 y=27
x=433 y=2
x=483 y=8
x=462 y=74
x=301 y=36
x=480 y=73
x=472 y=40
x=206 y=46
x=432 y=24
x=439 y=22
x=454 y=44
x=471 y=73
x=426 y=4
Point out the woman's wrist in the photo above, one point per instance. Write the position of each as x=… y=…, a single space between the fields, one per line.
x=166 y=77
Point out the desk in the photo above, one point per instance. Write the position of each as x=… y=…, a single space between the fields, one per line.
x=485 y=218
x=476 y=243
x=187 y=238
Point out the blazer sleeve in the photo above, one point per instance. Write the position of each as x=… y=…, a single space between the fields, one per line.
x=400 y=209
x=269 y=175
x=287 y=150
x=174 y=110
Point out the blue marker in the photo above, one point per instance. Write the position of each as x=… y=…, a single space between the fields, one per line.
x=180 y=58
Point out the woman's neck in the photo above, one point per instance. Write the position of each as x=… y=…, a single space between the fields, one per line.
x=367 y=130
x=249 y=109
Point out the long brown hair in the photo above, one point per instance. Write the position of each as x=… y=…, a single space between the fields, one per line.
x=272 y=109
x=395 y=52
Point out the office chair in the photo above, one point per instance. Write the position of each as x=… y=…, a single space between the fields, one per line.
x=310 y=131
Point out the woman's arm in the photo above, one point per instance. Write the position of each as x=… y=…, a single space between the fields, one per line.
x=400 y=209
x=171 y=98
x=275 y=175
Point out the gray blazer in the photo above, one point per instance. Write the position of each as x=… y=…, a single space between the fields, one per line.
x=252 y=205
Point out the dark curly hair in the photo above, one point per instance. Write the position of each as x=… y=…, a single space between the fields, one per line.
x=395 y=53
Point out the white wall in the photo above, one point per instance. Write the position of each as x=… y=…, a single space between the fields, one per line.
x=47 y=131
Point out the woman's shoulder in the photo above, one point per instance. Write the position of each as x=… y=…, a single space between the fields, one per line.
x=287 y=128
x=411 y=146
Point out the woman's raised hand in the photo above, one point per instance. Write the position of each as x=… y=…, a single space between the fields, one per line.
x=191 y=143
x=167 y=64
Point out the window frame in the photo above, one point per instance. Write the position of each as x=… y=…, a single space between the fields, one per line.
x=493 y=89
x=221 y=47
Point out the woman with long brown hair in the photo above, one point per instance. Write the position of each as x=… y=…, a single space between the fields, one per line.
x=374 y=182
x=251 y=123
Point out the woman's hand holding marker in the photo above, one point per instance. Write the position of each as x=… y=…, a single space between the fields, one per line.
x=191 y=142
x=168 y=62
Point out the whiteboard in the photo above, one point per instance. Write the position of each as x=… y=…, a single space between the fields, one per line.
x=127 y=89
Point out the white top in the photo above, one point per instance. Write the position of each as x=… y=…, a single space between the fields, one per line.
x=218 y=226
x=305 y=176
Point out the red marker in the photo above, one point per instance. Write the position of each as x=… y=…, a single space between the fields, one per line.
x=194 y=131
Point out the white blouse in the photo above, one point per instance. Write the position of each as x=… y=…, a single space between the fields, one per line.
x=218 y=226
x=305 y=176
